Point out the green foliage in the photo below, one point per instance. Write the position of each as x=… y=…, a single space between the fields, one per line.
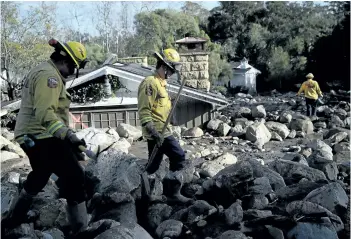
x=94 y=91
x=96 y=55
x=329 y=60
x=221 y=89
x=24 y=40
x=276 y=37
x=159 y=29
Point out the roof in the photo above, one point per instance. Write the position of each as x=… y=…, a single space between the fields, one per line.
x=241 y=66
x=136 y=73
x=191 y=40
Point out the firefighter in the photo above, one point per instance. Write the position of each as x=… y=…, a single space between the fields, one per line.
x=154 y=106
x=311 y=90
x=43 y=133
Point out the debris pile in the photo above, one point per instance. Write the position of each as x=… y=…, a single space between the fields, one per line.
x=260 y=169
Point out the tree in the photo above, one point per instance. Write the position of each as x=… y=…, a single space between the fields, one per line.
x=276 y=37
x=161 y=28
x=24 y=41
x=200 y=13
x=330 y=58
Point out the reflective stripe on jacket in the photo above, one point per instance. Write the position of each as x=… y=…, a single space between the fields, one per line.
x=154 y=103
x=45 y=102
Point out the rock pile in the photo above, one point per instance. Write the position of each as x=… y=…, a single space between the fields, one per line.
x=255 y=171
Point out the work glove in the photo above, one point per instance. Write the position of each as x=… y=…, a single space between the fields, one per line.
x=74 y=140
x=155 y=135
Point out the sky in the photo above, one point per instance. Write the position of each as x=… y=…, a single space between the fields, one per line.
x=86 y=11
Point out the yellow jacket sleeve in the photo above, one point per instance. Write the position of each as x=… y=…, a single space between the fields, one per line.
x=318 y=89
x=47 y=89
x=147 y=94
x=301 y=88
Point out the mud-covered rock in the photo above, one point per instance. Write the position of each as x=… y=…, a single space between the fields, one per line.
x=295 y=171
x=331 y=196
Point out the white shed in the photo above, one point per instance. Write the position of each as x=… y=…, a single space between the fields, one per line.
x=244 y=75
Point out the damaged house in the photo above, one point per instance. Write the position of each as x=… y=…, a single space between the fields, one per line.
x=193 y=109
x=119 y=104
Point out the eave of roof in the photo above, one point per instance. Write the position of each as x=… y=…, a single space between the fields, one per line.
x=191 y=40
x=137 y=73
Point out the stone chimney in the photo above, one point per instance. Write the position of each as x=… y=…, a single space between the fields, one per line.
x=194 y=61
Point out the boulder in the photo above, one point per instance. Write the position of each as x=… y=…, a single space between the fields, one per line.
x=297 y=191
x=234 y=214
x=121 y=232
x=237 y=131
x=306 y=208
x=320 y=125
x=260 y=170
x=96 y=139
x=55 y=233
x=54 y=214
x=336 y=130
x=193 y=132
x=258 y=111
x=275 y=136
x=301 y=124
x=285 y=118
x=9 y=193
x=235 y=173
x=260 y=186
x=342 y=156
x=331 y=196
x=122 y=144
x=231 y=234
x=335 y=121
x=292 y=134
x=158 y=213
x=213 y=124
x=257 y=201
x=258 y=133
x=279 y=128
x=169 y=229
x=6 y=155
x=321 y=150
x=114 y=171
x=336 y=138
x=243 y=112
x=295 y=157
x=343 y=146
x=255 y=213
x=226 y=159
x=211 y=168
x=295 y=171
x=176 y=132
x=305 y=230
x=223 y=129
x=7 y=145
x=7 y=134
x=347 y=122
x=126 y=131
x=242 y=121
x=113 y=132
x=341 y=113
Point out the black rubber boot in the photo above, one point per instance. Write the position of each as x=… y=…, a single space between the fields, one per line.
x=17 y=213
x=172 y=184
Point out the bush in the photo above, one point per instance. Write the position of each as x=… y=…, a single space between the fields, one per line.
x=221 y=89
